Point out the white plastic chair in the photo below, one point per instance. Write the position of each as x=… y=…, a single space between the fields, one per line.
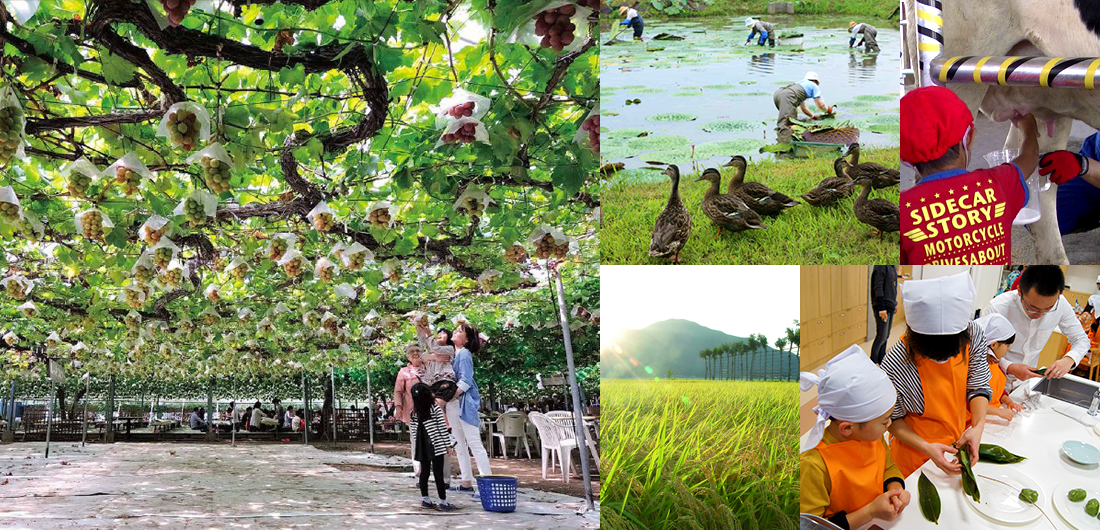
x=551 y=442
x=513 y=425
x=563 y=420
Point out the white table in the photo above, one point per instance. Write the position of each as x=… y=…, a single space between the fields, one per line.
x=1037 y=435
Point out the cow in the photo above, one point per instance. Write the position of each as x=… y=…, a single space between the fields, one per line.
x=1042 y=28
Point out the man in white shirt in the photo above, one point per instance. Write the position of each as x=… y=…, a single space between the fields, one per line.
x=1035 y=310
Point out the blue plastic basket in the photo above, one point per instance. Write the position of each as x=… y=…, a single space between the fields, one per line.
x=498 y=492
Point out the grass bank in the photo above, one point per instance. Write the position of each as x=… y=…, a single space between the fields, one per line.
x=699 y=454
x=804 y=234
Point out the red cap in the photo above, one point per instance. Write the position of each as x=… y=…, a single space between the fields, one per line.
x=932 y=120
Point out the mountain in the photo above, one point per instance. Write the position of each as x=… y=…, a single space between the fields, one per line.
x=675 y=344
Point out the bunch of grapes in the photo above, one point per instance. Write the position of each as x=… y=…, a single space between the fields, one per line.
x=293 y=267
x=244 y=317
x=194 y=211
x=216 y=174
x=464 y=134
x=322 y=222
x=592 y=125
x=325 y=274
x=134 y=298
x=129 y=179
x=546 y=247
x=132 y=321
x=278 y=248
x=162 y=256
x=185 y=325
x=331 y=326
x=380 y=218
x=177 y=9
x=143 y=274
x=210 y=318
x=51 y=342
x=172 y=277
x=213 y=295
x=11 y=135
x=11 y=339
x=516 y=253
x=462 y=110
x=29 y=310
x=9 y=211
x=240 y=271
x=309 y=319
x=394 y=275
x=16 y=289
x=27 y=230
x=266 y=326
x=555 y=27
x=471 y=205
x=92 y=224
x=78 y=184
x=183 y=128
x=356 y=261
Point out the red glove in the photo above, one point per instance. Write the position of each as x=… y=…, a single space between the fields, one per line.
x=1063 y=166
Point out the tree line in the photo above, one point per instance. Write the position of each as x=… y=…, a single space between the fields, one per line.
x=738 y=360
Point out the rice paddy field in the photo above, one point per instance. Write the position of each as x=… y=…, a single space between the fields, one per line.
x=803 y=234
x=690 y=454
x=707 y=97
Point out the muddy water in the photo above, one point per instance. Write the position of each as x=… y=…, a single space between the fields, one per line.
x=718 y=93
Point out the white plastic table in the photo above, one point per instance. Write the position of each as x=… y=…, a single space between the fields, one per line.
x=1037 y=435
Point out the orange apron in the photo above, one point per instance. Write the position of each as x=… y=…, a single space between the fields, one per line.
x=997 y=383
x=856 y=471
x=944 y=418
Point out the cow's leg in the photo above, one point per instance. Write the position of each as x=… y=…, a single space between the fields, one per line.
x=1044 y=232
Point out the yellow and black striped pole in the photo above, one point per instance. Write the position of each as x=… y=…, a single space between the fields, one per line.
x=1059 y=72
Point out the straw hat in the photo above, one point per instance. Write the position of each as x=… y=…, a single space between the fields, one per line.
x=622 y=10
x=851 y=24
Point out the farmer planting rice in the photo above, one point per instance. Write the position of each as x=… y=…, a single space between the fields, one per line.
x=868 y=41
x=632 y=20
x=765 y=29
x=792 y=98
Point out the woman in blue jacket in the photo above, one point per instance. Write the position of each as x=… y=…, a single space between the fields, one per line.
x=462 y=410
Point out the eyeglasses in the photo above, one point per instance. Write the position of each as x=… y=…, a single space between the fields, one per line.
x=1031 y=309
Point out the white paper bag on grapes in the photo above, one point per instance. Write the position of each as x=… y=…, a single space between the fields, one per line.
x=325 y=270
x=473 y=200
x=29 y=309
x=488 y=279
x=391 y=269
x=321 y=217
x=79 y=175
x=212 y=292
x=153 y=229
x=11 y=338
x=237 y=268
x=22 y=10
x=17 y=286
x=420 y=318
x=93 y=230
x=144 y=269
x=206 y=200
x=12 y=126
x=216 y=166
x=368 y=331
x=554 y=237
x=588 y=134
x=156 y=326
x=380 y=215
x=459 y=319
x=560 y=26
x=279 y=309
x=196 y=129
x=346 y=290
x=164 y=252
x=30 y=226
x=337 y=252
x=133 y=294
x=292 y=262
x=356 y=256
x=309 y=318
x=10 y=209
x=245 y=314
x=53 y=339
x=265 y=326
x=128 y=172
x=209 y=316
x=372 y=315
x=279 y=244
x=460 y=104
x=464 y=131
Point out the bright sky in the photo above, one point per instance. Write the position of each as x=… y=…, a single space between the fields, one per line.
x=736 y=299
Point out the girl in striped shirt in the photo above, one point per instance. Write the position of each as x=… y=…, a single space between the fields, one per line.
x=431 y=440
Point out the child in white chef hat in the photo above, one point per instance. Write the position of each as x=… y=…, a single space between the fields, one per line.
x=848 y=476
x=999 y=334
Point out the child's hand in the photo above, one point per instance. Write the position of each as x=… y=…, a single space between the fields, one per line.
x=883 y=506
x=1014 y=406
x=935 y=453
x=1007 y=414
x=900 y=501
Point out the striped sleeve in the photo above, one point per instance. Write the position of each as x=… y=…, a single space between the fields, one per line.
x=978 y=376
x=903 y=374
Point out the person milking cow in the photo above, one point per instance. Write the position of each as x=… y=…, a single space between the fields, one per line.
x=632 y=20
x=765 y=29
x=792 y=98
x=870 y=45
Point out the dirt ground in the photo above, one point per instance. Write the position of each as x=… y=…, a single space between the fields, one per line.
x=252 y=485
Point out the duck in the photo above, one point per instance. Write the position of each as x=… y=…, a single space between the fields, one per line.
x=670 y=233
x=832 y=189
x=880 y=214
x=762 y=199
x=881 y=176
x=727 y=211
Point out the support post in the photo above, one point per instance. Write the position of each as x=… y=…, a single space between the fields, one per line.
x=84 y=420
x=109 y=435
x=210 y=412
x=370 y=409
x=332 y=379
x=578 y=410
x=305 y=405
x=9 y=413
x=929 y=37
x=49 y=411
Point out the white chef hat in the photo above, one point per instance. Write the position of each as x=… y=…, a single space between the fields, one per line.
x=996 y=328
x=1098 y=279
x=850 y=388
x=940 y=306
